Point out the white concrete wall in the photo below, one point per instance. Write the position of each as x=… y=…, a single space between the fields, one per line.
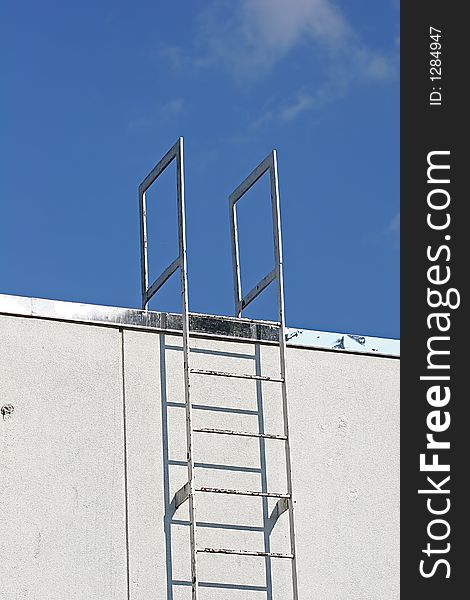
x=62 y=495
x=94 y=404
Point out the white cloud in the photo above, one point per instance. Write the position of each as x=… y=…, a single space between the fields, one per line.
x=302 y=103
x=377 y=66
x=277 y=25
x=342 y=75
x=252 y=37
x=248 y=38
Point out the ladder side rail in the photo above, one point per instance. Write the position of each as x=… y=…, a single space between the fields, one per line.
x=241 y=302
x=144 y=267
x=175 y=153
x=237 y=288
x=186 y=351
x=274 y=182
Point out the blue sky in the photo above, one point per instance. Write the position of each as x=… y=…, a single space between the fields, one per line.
x=94 y=93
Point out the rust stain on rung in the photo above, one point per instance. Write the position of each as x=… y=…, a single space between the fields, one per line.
x=236 y=375
x=269 y=436
x=211 y=490
x=245 y=552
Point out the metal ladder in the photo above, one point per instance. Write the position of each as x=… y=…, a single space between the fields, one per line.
x=189 y=490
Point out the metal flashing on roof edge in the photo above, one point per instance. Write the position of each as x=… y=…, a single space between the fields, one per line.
x=199 y=324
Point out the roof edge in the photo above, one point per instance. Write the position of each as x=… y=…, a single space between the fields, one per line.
x=200 y=324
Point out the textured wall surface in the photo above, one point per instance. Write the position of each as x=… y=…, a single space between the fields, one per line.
x=62 y=498
x=95 y=450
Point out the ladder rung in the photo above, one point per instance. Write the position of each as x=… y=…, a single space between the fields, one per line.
x=211 y=490
x=236 y=375
x=245 y=552
x=269 y=436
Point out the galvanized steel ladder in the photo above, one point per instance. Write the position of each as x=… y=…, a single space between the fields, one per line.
x=188 y=492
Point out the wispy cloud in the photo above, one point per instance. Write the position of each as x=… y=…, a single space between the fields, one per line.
x=306 y=100
x=303 y=102
x=342 y=75
x=278 y=25
x=248 y=39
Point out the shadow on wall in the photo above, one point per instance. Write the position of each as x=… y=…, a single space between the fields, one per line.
x=170 y=520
